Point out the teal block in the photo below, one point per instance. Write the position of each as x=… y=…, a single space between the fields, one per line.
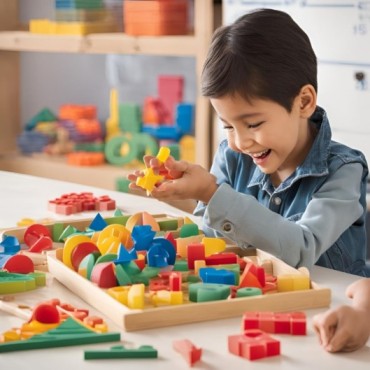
x=122 y=352
x=200 y=292
x=129 y=118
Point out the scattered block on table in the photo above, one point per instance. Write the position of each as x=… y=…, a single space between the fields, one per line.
x=188 y=351
x=275 y=322
x=253 y=345
x=121 y=352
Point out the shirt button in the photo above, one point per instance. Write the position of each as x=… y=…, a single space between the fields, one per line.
x=227 y=227
x=277 y=201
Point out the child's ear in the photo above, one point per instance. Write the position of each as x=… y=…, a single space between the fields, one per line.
x=307 y=101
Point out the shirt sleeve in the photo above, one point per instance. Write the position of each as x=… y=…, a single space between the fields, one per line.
x=334 y=208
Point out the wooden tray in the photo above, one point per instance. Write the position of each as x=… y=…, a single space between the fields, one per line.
x=149 y=318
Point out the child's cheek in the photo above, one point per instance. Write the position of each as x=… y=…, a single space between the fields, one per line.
x=232 y=145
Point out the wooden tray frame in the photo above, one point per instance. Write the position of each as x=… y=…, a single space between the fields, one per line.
x=150 y=318
x=158 y=317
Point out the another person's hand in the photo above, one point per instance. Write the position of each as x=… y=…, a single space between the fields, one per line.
x=342 y=329
x=346 y=328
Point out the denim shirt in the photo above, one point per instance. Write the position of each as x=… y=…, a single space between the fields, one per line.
x=315 y=216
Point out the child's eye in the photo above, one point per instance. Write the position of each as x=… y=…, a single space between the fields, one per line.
x=254 y=125
x=227 y=127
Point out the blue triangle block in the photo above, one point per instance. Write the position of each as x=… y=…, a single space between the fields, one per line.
x=98 y=223
x=123 y=255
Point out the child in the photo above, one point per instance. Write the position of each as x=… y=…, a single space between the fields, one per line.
x=278 y=183
x=346 y=328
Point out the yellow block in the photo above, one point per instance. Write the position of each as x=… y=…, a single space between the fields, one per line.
x=287 y=283
x=10 y=335
x=120 y=293
x=187 y=221
x=112 y=236
x=198 y=264
x=163 y=154
x=182 y=244
x=44 y=26
x=166 y=297
x=70 y=244
x=213 y=245
x=135 y=298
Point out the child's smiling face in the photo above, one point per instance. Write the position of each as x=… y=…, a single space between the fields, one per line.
x=276 y=140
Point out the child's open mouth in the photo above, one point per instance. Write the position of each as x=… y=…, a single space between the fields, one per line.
x=261 y=155
x=258 y=158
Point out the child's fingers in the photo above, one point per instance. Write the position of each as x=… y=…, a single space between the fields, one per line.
x=176 y=168
x=324 y=326
x=147 y=159
x=340 y=341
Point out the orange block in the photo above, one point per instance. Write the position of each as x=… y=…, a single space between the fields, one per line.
x=155 y=17
x=85 y=158
x=248 y=278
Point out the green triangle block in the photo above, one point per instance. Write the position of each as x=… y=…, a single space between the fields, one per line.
x=68 y=231
x=69 y=333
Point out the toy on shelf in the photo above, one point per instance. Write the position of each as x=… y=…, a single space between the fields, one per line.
x=75 y=131
x=165 y=121
x=77 y=17
x=155 y=17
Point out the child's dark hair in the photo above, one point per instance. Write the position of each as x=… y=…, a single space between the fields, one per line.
x=264 y=54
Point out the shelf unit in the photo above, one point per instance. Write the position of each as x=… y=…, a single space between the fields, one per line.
x=13 y=41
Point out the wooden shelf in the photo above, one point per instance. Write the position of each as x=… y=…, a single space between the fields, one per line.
x=41 y=165
x=100 y=43
x=13 y=41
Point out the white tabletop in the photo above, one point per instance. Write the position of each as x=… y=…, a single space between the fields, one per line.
x=25 y=196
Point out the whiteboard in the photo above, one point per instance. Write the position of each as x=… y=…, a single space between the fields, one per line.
x=339 y=31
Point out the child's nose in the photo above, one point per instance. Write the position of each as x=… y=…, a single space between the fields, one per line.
x=244 y=142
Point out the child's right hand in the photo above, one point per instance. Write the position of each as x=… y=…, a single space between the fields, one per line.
x=184 y=180
x=157 y=167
